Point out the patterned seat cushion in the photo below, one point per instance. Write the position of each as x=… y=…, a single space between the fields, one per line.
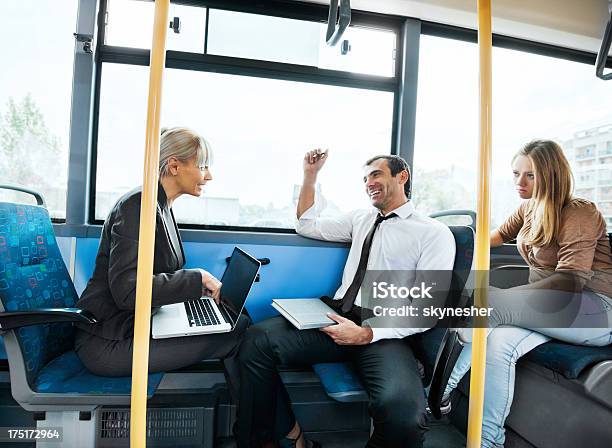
x=66 y=374
x=33 y=275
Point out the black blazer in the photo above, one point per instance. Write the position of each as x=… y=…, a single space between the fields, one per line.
x=110 y=294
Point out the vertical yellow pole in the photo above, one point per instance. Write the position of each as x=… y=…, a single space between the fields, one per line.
x=146 y=244
x=479 y=341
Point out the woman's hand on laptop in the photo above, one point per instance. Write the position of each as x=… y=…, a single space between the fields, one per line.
x=211 y=286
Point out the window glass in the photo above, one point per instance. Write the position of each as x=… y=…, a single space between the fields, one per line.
x=259 y=130
x=534 y=97
x=371 y=51
x=277 y=39
x=35 y=102
x=130 y=24
x=446 y=137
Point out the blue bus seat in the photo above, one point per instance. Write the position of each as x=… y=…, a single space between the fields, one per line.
x=567 y=359
x=554 y=381
x=340 y=381
x=339 y=378
x=37 y=298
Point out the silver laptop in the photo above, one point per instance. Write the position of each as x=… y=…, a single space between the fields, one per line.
x=203 y=315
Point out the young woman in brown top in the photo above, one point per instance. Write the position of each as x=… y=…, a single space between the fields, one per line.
x=564 y=241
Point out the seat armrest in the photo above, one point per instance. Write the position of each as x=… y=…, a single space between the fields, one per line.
x=598 y=381
x=16 y=319
x=509 y=275
x=510 y=266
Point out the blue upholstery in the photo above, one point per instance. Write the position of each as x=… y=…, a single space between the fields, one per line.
x=33 y=275
x=66 y=374
x=567 y=359
x=340 y=380
x=323 y=263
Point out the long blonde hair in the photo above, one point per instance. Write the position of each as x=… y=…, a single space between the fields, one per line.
x=184 y=144
x=553 y=189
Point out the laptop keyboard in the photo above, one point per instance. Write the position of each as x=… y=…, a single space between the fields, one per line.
x=200 y=313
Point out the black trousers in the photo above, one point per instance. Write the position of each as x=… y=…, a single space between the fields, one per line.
x=387 y=368
x=106 y=357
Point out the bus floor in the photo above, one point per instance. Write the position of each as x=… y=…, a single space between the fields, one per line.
x=333 y=424
x=441 y=434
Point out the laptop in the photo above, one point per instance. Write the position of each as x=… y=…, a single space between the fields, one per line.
x=304 y=314
x=203 y=315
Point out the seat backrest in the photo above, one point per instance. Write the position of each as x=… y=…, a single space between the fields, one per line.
x=434 y=348
x=464 y=255
x=33 y=275
x=426 y=345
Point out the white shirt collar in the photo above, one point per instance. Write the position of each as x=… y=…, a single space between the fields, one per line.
x=403 y=211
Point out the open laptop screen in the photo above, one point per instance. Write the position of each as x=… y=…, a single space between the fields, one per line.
x=238 y=279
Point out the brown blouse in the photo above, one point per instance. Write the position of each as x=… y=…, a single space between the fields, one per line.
x=582 y=245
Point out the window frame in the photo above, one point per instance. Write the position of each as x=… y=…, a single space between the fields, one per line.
x=75 y=62
x=249 y=67
x=405 y=90
x=525 y=46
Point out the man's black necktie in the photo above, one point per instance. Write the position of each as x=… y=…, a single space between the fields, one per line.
x=351 y=293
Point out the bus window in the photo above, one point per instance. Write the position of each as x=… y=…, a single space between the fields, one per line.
x=130 y=24
x=35 y=92
x=528 y=105
x=265 y=90
x=259 y=130
x=446 y=140
x=540 y=101
x=278 y=39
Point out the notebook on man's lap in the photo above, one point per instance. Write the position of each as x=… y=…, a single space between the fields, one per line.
x=304 y=314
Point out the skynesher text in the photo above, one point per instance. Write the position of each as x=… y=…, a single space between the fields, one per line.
x=431 y=311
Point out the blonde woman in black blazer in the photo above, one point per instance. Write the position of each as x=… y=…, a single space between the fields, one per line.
x=106 y=348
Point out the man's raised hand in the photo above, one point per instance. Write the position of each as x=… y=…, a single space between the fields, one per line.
x=314 y=161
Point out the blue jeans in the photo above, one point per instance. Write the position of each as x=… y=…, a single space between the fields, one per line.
x=507 y=342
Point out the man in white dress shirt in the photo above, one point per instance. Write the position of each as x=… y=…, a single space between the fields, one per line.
x=391 y=235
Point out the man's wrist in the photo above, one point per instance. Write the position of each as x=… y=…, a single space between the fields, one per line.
x=310 y=180
x=367 y=335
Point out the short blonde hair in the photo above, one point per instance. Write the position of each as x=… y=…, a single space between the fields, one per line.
x=183 y=144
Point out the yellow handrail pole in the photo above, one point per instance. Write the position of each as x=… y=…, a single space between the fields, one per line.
x=146 y=243
x=479 y=341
